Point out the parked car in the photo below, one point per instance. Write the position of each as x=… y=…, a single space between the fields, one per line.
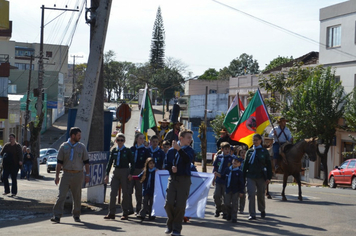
x=345 y=174
x=45 y=153
x=51 y=163
x=113 y=111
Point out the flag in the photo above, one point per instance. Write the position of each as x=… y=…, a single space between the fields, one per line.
x=197 y=198
x=233 y=114
x=254 y=120
x=147 y=118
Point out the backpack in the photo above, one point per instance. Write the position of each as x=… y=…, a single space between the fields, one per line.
x=7 y=160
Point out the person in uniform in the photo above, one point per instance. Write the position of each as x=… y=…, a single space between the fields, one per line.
x=179 y=159
x=280 y=134
x=11 y=164
x=123 y=161
x=72 y=155
x=162 y=129
x=156 y=152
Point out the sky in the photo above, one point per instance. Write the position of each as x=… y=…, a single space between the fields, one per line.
x=202 y=34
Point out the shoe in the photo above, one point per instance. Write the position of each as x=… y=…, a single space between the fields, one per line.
x=55 y=219
x=151 y=218
x=77 y=219
x=224 y=216
x=109 y=217
x=140 y=217
x=186 y=219
x=233 y=221
x=124 y=218
x=175 y=233
x=228 y=217
x=5 y=193
x=13 y=195
x=252 y=218
x=241 y=212
x=131 y=212
x=217 y=213
x=263 y=214
x=168 y=231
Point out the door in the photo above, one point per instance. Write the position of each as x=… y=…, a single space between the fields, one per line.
x=349 y=171
x=339 y=174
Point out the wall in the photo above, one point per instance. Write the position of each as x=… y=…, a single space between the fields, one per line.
x=217 y=104
x=197 y=87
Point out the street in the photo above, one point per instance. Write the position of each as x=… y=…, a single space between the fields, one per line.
x=323 y=211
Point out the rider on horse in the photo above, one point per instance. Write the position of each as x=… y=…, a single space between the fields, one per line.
x=281 y=135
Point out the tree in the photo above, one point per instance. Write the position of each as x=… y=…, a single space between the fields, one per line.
x=157 y=43
x=277 y=62
x=224 y=74
x=317 y=105
x=243 y=65
x=217 y=124
x=109 y=73
x=350 y=117
x=209 y=74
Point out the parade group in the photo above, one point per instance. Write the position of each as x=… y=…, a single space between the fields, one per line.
x=237 y=171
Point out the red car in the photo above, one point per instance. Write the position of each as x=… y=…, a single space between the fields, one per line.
x=344 y=174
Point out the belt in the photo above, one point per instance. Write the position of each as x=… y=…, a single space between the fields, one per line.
x=72 y=171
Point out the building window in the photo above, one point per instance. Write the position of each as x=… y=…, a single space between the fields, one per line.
x=212 y=91
x=334 y=36
x=337 y=79
x=48 y=54
x=22 y=52
x=12 y=89
x=24 y=66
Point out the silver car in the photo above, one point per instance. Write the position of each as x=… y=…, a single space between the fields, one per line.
x=45 y=153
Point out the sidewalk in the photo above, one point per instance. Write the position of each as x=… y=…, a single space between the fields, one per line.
x=54 y=136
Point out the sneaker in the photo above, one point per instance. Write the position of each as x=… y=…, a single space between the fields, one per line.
x=175 y=233
x=263 y=214
x=233 y=221
x=5 y=193
x=55 y=219
x=109 y=217
x=77 y=219
x=131 y=212
x=124 y=218
x=241 y=212
x=228 y=217
x=217 y=213
x=168 y=231
x=186 y=219
x=252 y=218
x=13 y=195
x=151 y=218
x=225 y=216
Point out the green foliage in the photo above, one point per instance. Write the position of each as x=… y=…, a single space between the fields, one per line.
x=317 y=106
x=224 y=74
x=157 y=43
x=217 y=125
x=209 y=74
x=277 y=62
x=350 y=112
x=243 y=65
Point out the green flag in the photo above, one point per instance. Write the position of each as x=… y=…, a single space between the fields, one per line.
x=233 y=114
x=147 y=118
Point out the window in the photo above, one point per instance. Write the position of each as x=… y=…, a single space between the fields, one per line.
x=337 y=79
x=212 y=91
x=351 y=165
x=12 y=89
x=334 y=36
x=24 y=66
x=24 y=51
x=48 y=54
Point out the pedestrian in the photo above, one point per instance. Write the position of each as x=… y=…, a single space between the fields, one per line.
x=23 y=174
x=72 y=156
x=224 y=137
x=173 y=133
x=242 y=199
x=12 y=160
x=147 y=178
x=280 y=134
x=257 y=171
x=162 y=129
x=140 y=154
x=27 y=163
x=179 y=159
x=221 y=162
x=156 y=152
x=234 y=185
x=123 y=161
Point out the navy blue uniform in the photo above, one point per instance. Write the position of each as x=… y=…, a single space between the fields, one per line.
x=158 y=156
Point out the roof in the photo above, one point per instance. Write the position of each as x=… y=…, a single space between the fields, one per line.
x=307 y=59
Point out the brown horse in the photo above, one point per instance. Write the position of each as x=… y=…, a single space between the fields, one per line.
x=293 y=162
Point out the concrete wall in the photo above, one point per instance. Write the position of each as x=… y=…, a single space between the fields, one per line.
x=217 y=104
x=197 y=87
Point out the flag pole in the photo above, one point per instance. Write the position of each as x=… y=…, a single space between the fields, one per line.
x=269 y=118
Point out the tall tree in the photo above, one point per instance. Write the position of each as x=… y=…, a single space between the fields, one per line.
x=277 y=62
x=243 y=65
x=350 y=117
x=317 y=105
x=157 y=43
x=109 y=73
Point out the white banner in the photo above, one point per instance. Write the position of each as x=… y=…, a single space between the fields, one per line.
x=198 y=194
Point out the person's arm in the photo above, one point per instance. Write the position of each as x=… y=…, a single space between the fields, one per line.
x=268 y=166
x=19 y=154
x=58 y=169
x=131 y=159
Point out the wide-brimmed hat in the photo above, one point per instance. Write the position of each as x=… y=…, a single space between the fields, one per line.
x=223 y=131
x=163 y=121
x=282 y=118
x=180 y=123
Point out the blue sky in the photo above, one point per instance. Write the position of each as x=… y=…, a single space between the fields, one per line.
x=201 y=33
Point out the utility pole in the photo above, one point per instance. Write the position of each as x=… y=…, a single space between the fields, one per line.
x=73 y=80
x=27 y=112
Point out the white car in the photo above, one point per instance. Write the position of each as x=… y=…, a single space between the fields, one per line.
x=45 y=153
x=51 y=163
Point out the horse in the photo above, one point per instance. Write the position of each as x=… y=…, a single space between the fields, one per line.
x=291 y=164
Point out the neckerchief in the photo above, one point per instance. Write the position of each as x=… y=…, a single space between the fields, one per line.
x=149 y=176
x=71 y=149
x=155 y=150
x=176 y=159
x=230 y=174
x=118 y=154
x=252 y=158
x=221 y=163
x=137 y=147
